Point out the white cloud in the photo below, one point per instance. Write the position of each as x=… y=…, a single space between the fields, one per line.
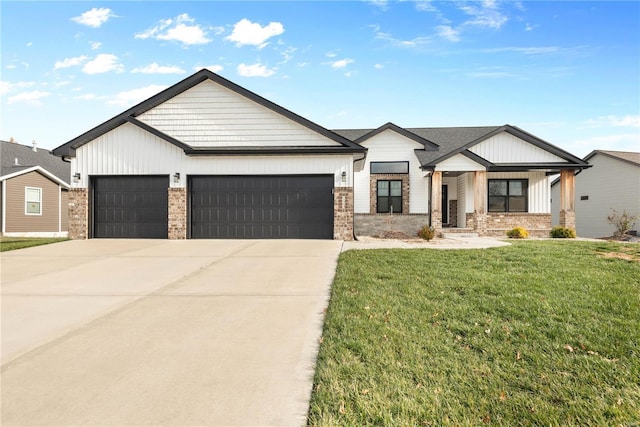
x=181 y=29
x=618 y=142
x=154 y=68
x=246 y=32
x=95 y=45
x=533 y=50
x=413 y=43
x=341 y=63
x=103 y=63
x=215 y=68
x=331 y=54
x=94 y=17
x=31 y=98
x=615 y=121
x=487 y=15
x=425 y=6
x=255 y=70
x=378 y=66
x=131 y=97
x=70 y=62
x=6 y=87
x=88 y=97
x=11 y=67
x=448 y=33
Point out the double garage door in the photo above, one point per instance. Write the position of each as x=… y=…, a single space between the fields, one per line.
x=220 y=207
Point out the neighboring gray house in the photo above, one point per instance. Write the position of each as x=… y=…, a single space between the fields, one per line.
x=207 y=158
x=612 y=183
x=33 y=192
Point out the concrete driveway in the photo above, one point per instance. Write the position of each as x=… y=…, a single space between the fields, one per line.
x=162 y=333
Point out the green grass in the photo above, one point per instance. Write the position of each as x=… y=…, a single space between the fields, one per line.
x=542 y=333
x=13 y=243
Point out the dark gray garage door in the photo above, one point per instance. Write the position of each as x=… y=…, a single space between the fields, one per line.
x=262 y=207
x=130 y=207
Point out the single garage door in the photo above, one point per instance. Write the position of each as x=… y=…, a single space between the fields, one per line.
x=130 y=207
x=262 y=207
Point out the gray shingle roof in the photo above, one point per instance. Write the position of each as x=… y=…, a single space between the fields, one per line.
x=27 y=158
x=627 y=156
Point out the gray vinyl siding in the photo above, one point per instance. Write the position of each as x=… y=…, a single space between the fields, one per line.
x=16 y=219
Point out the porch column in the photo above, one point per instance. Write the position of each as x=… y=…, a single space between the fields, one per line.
x=567 y=198
x=436 y=200
x=479 y=202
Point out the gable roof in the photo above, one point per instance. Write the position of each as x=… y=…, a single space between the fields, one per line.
x=362 y=135
x=626 y=156
x=68 y=149
x=451 y=141
x=27 y=160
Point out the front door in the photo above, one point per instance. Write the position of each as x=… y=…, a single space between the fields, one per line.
x=445 y=205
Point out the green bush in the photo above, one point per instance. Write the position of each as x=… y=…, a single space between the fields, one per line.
x=518 y=233
x=427 y=233
x=559 y=232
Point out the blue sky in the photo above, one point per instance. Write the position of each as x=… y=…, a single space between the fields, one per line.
x=566 y=71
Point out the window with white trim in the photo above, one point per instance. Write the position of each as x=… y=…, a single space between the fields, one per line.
x=32 y=201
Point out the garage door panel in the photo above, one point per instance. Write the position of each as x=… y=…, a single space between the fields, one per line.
x=130 y=206
x=262 y=207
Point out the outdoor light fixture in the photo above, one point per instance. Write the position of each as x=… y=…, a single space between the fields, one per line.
x=176 y=177
x=344 y=177
x=76 y=177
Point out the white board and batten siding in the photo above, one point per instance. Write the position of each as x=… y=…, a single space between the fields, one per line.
x=506 y=148
x=129 y=150
x=390 y=146
x=210 y=115
x=459 y=163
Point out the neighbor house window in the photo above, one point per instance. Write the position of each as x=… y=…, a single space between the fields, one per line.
x=508 y=195
x=389 y=167
x=33 y=201
x=389 y=194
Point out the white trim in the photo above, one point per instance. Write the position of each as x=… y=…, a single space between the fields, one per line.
x=26 y=201
x=36 y=169
x=4 y=206
x=38 y=234
x=59 y=209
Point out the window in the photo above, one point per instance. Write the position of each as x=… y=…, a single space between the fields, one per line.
x=33 y=201
x=508 y=195
x=389 y=167
x=389 y=196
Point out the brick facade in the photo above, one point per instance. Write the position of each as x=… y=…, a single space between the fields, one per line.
x=78 y=213
x=568 y=219
x=343 y=213
x=453 y=213
x=177 y=213
x=373 y=190
x=497 y=224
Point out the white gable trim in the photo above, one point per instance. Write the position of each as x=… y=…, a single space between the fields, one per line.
x=459 y=163
x=38 y=169
x=506 y=148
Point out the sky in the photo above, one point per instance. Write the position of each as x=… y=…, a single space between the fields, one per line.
x=565 y=71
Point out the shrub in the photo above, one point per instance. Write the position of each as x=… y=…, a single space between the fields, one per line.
x=560 y=232
x=622 y=221
x=427 y=233
x=518 y=233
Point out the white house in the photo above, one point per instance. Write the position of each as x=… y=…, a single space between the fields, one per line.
x=207 y=158
x=612 y=183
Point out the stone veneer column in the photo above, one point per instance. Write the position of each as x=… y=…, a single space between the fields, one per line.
x=78 y=213
x=177 y=213
x=567 y=199
x=436 y=200
x=343 y=213
x=479 y=202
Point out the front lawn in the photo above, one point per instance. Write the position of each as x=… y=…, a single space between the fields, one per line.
x=537 y=333
x=13 y=243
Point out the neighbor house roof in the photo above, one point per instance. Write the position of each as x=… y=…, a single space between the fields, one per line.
x=346 y=145
x=450 y=141
x=21 y=158
x=632 y=157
